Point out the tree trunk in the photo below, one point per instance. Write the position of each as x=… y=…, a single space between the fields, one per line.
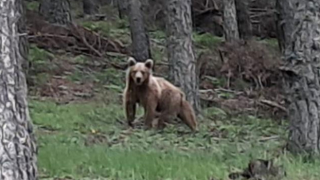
x=301 y=72
x=90 y=7
x=56 y=11
x=284 y=17
x=243 y=19
x=140 y=40
x=123 y=6
x=180 y=51
x=17 y=143
x=230 y=24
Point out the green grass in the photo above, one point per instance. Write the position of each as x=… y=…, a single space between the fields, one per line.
x=88 y=140
x=100 y=26
x=40 y=64
x=118 y=30
x=271 y=42
x=39 y=57
x=206 y=40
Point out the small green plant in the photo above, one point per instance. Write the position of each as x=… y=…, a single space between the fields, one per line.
x=272 y=42
x=102 y=27
x=33 y=5
x=40 y=65
x=111 y=76
x=122 y=24
x=39 y=56
x=81 y=59
x=157 y=54
x=158 y=35
x=206 y=40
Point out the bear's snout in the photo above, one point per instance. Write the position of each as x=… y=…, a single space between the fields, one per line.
x=138 y=79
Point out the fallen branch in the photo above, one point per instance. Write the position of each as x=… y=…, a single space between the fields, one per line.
x=84 y=40
x=273 y=104
x=119 y=66
x=72 y=38
x=229 y=91
x=263 y=139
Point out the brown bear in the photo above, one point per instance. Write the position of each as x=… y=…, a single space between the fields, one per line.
x=156 y=95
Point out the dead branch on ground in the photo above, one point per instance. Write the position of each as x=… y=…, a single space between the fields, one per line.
x=71 y=38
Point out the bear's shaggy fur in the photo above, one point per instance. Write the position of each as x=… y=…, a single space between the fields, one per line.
x=156 y=95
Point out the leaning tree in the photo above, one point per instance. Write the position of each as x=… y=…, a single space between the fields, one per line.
x=301 y=76
x=17 y=144
x=181 y=56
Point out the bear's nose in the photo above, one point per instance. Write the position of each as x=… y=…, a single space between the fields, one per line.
x=138 y=79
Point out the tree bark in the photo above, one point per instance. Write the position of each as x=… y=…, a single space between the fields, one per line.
x=17 y=143
x=284 y=20
x=140 y=40
x=301 y=72
x=230 y=24
x=56 y=11
x=180 y=51
x=90 y=7
x=243 y=19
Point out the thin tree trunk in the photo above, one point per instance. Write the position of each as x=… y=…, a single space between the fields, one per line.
x=301 y=72
x=24 y=43
x=90 y=7
x=243 y=19
x=123 y=6
x=17 y=143
x=284 y=20
x=139 y=36
x=180 y=51
x=230 y=24
x=56 y=11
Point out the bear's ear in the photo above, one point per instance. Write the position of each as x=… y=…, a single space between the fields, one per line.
x=149 y=63
x=131 y=61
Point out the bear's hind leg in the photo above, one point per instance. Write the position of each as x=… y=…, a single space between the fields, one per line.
x=150 y=112
x=169 y=106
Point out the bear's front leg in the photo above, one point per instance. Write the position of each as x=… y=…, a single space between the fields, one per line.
x=130 y=107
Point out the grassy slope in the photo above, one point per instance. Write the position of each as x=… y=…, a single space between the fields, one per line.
x=88 y=139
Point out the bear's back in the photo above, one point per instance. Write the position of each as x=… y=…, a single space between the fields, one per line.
x=164 y=84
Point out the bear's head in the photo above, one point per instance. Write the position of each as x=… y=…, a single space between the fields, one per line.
x=140 y=72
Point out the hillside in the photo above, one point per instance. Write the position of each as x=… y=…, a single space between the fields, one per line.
x=75 y=104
